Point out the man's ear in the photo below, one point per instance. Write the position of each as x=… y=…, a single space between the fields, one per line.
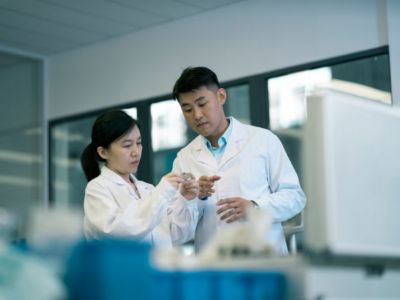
x=102 y=152
x=221 y=94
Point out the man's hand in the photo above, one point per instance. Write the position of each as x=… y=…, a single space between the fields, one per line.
x=206 y=185
x=232 y=209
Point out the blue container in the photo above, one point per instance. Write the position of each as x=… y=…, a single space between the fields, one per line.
x=120 y=269
x=109 y=270
x=218 y=285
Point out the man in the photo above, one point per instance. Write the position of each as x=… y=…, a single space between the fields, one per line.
x=238 y=165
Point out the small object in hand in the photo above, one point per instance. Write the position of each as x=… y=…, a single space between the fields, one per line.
x=186 y=176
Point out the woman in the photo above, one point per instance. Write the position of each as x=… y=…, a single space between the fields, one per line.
x=116 y=203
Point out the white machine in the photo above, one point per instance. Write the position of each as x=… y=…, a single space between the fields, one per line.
x=352 y=181
x=352 y=175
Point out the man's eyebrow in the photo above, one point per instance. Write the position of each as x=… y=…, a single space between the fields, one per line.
x=199 y=99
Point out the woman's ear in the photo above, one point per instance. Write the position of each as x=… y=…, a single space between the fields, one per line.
x=102 y=152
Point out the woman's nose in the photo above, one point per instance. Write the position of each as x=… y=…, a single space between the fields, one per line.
x=135 y=150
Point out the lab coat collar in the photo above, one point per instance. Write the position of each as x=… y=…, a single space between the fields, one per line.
x=233 y=146
x=235 y=142
x=202 y=154
x=114 y=177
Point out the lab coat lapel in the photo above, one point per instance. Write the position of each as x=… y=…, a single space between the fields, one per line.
x=202 y=154
x=235 y=142
x=111 y=175
x=118 y=180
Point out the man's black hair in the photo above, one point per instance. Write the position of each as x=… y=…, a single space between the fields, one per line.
x=193 y=78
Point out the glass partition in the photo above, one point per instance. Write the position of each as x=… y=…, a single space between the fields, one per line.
x=67 y=179
x=169 y=133
x=168 y=125
x=21 y=137
x=238 y=103
x=287 y=93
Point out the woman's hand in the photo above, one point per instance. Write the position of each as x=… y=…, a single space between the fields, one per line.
x=185 y=183
x=174 y=179
x=189 y=187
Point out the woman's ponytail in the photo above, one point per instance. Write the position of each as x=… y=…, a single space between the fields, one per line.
x=89 y=162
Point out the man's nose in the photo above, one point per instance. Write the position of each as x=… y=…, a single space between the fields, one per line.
x=197 y=113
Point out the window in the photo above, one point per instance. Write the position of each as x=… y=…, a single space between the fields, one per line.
x=287 y=96
x=238 y=104
x=68 y=140
x=168 y=135
x=287 y=93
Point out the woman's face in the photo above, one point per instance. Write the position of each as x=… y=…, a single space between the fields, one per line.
x=123 y=155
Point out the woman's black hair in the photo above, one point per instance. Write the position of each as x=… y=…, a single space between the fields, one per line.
x=107 y=128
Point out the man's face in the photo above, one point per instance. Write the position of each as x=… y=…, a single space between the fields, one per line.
x=203 y=110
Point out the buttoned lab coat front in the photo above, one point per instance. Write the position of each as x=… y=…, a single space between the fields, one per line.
x=112 y=208
x=254 y=166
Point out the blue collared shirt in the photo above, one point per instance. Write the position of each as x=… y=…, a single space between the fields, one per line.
x=217 y=152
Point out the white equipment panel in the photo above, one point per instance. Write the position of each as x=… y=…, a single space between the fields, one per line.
x=352 y=175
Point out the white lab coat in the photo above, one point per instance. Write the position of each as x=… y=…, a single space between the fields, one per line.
x=112 y=208
x=254 y=166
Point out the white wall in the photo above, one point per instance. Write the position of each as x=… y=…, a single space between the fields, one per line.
x=243 y=39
